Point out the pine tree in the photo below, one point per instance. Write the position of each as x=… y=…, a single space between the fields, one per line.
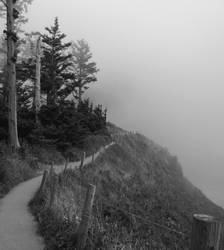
x=84 y=70
x=29 y=66
x=54 y=64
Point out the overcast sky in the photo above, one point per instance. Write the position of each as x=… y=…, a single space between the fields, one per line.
x=161 y=72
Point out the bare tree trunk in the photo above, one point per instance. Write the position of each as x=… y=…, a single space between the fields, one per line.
x=37 y=82
x=11 y=78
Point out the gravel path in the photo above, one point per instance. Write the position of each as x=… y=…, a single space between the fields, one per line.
x=18 y=229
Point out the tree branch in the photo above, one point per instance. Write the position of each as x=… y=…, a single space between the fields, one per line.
x=2 y=1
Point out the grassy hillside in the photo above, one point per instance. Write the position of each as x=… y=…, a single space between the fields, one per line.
x=138 y=183
x=143 y=200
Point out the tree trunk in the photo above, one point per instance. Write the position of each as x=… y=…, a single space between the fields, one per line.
x=80 y=94
x=37 y=82
x=11 y=79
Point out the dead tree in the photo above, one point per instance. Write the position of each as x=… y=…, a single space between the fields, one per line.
x=37 y=80
x=12 y=38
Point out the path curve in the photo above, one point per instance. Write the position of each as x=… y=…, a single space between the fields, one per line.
x=18 y=229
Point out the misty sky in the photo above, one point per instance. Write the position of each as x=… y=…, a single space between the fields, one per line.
x=161 y=72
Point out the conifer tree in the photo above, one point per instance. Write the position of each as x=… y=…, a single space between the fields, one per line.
x=54 y=63
x=84 y=70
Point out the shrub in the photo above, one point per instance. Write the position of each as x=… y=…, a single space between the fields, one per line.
x=12 y=172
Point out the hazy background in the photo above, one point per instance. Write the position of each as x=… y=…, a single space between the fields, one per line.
x=162 y=72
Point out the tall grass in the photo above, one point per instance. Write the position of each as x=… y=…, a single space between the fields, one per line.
x=58 y=224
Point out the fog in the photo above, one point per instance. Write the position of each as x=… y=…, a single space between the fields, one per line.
x=161 y=72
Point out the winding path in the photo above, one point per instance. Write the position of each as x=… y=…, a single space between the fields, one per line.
x=18 y=229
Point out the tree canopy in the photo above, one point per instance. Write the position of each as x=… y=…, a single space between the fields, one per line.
x=66 y=119
x=84 y=69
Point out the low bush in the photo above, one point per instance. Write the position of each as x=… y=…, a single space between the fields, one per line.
x=47 y=155
x=25 y=164
x=14 y=169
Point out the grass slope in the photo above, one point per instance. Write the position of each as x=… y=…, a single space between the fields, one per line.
x=139 y=182
x=139 y=187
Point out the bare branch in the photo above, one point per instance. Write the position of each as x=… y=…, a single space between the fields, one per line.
x=2 y=1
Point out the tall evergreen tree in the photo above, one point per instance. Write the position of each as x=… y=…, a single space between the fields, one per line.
x=54 y=64
x=84 y=70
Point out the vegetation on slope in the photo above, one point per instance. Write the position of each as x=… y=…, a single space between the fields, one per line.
x=143 y=201
x=15 y=168
x=58 y=223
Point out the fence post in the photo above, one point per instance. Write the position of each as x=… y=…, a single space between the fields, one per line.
x=86 y=215
x=66 y=165
x=82 y=160
x=53 y=182
x=42 y=185
x=206 y=233
x=51 y=170
x=93 y=158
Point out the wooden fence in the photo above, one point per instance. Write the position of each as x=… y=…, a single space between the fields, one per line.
x=207 y=232
x=82 y=231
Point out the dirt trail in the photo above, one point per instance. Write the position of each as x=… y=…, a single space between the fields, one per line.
x=17 y=225
x=18 y=230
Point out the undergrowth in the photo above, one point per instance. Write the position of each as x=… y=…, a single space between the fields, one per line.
x=15 y=168
x=28 y=162
x=58 y=224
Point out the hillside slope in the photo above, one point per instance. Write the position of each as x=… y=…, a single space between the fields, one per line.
x=143 y=200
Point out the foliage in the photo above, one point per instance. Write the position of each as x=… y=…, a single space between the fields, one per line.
x=15 y=169
x=54 y=65
x=62 y=121
x=68 y=125
x=84 y=70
